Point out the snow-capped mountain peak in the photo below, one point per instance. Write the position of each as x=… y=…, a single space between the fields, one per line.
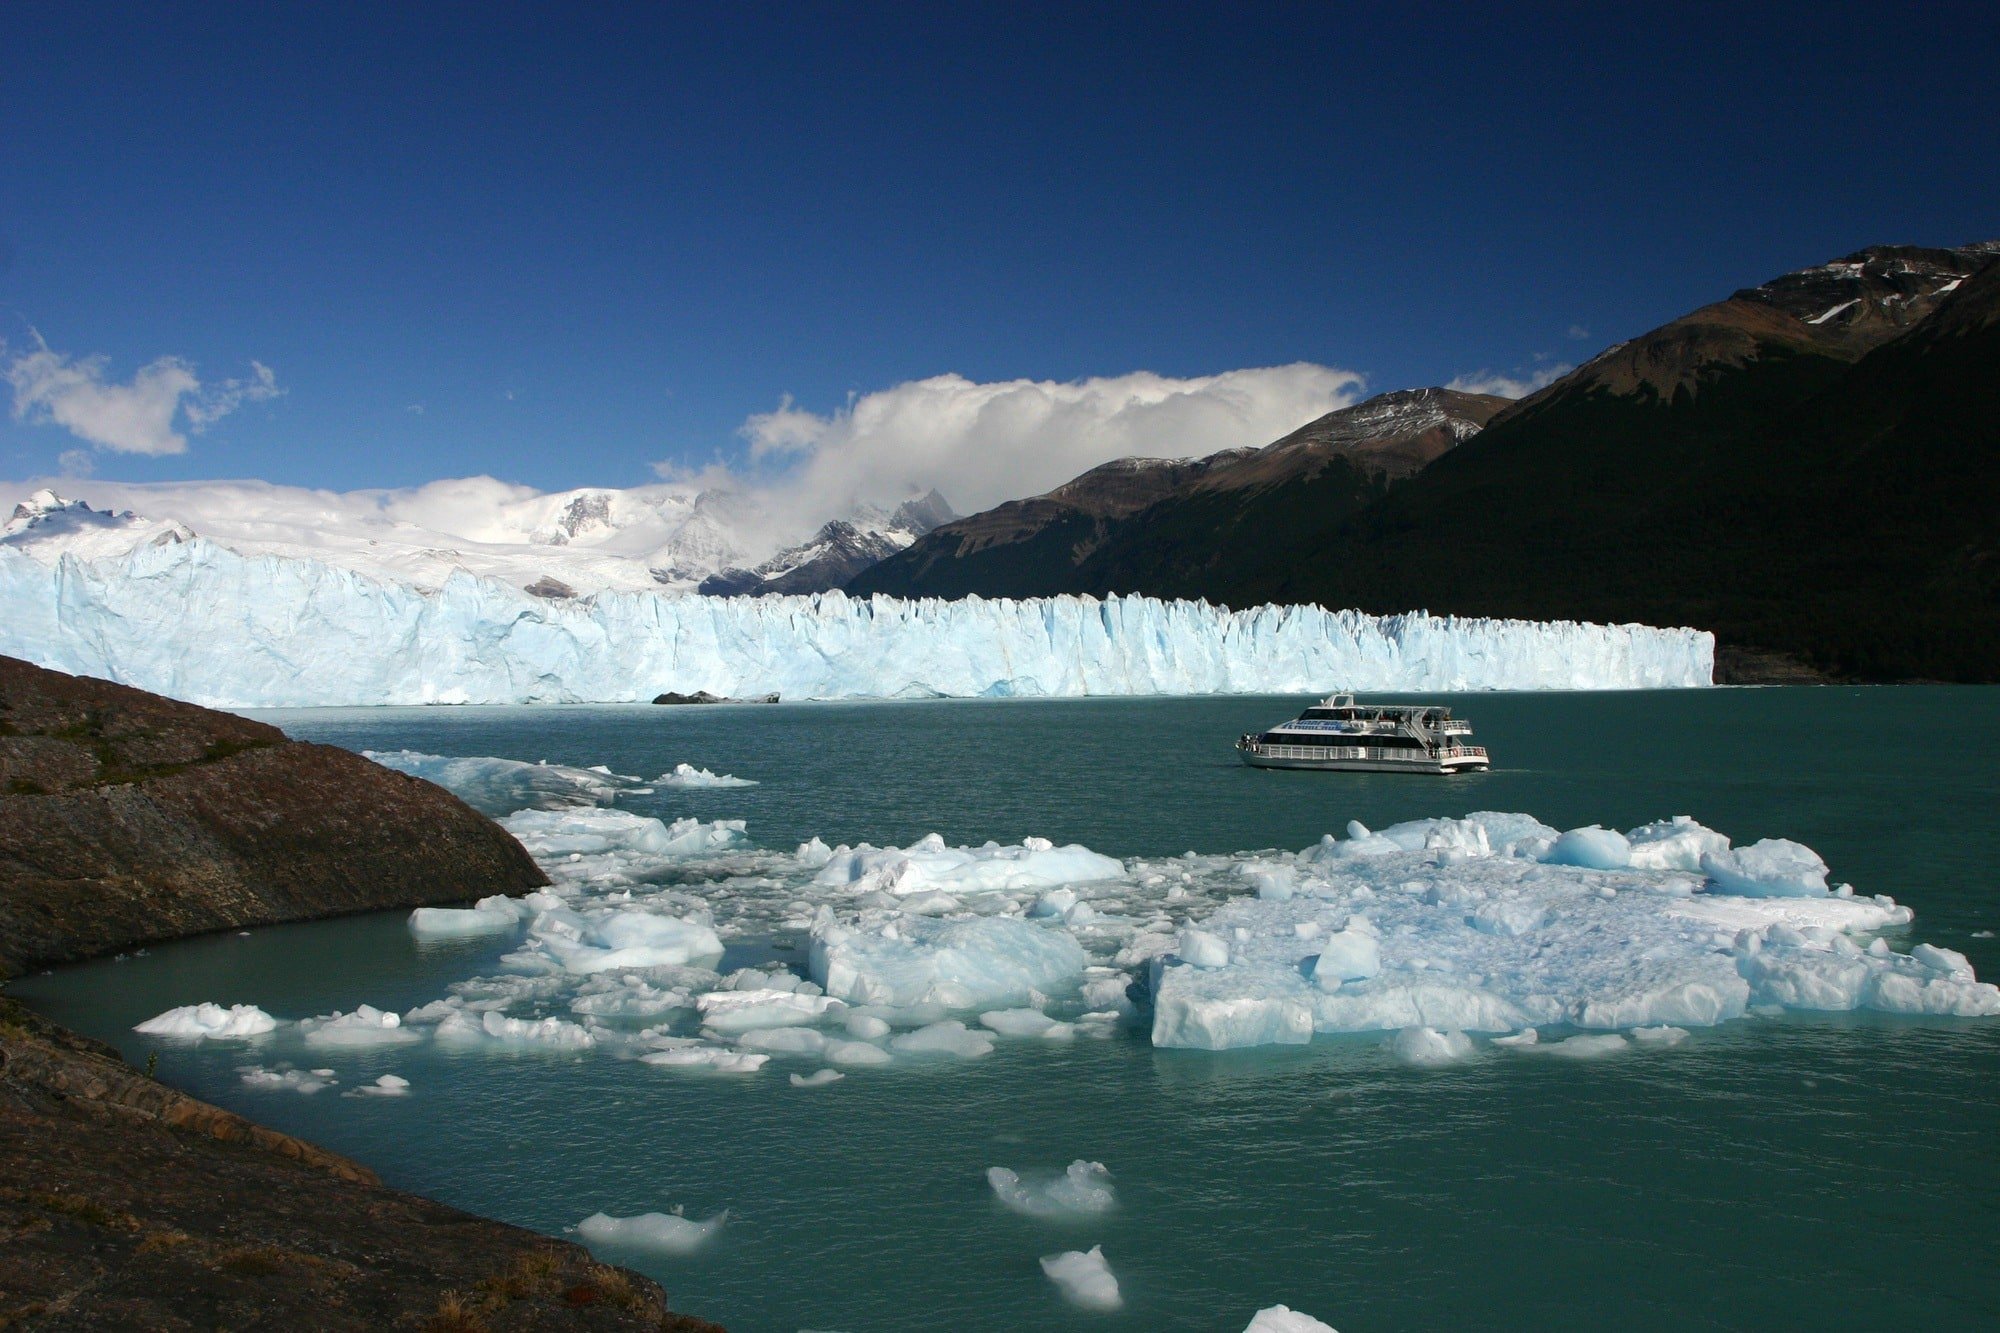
x=667 y=537
x=46 y=522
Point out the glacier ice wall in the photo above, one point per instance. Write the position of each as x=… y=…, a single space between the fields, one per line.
x=198 y=621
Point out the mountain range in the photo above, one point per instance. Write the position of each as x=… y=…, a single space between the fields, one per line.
x=663 y=538
x=1810 y=468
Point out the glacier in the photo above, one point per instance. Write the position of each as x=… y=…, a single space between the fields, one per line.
x=198 y=621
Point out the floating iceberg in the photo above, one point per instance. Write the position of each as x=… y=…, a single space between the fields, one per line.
x=502 y=786
x=488 y=916
x=977 y=962
x=1082 y=1190
x=196 y=1022
x=661 y=1233
x=1437 y=937
x=303 y=1081
x=198 y=621
x=1284 y=1319
x=1084 y=1278
x=688 y=776
x=1438 y=928
x=366 y=1026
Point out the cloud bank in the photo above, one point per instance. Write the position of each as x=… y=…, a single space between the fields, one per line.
x=139 y=416
x=981 y=444
x=1515 y=385
x=977 y=444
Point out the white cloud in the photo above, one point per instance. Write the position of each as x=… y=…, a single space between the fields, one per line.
x=978 y=444
x=1514 y=385
x=76 y=462
x=981 y=444
x=137 y=417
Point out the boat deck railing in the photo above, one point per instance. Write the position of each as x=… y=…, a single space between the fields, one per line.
x=1372 y=753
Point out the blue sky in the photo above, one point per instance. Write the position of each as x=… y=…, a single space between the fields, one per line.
x=486 y=239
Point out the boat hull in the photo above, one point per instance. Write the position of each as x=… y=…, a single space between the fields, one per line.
x=1423 y=765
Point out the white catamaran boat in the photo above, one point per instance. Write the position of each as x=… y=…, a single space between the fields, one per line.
x=1337 y=733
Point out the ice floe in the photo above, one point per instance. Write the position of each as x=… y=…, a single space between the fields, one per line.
x=1488 y=925
x=1284 y=1319
x=819 y=1078
x=889 y=958
x=1082 y=1190
x=213 y=1022
x=1439 y=937
x=687 y=776
x=304 y=1081
x=502 y=786
x=1084 y=1278
x=658 y=1233
x=365 y=1026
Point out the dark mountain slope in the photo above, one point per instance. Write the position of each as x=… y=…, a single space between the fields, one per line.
x=1790 y=500
x=1808 y=468
x=1157 y=524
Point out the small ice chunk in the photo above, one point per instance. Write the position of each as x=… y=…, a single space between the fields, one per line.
x=1673 y=844
x=465 y=1029
x=1203 y=948
x=302 y=1081
x=1946 y=962
x=713 y=1058
x=389 y=1085
x=1592 y=848
x=197 y=1022
x=784 y=1041
x=1082 y=1190
x=1589 y=1047
x=1084 y=1278
x=734 y=1011
x=856 y=1053
x=1428 y=1047
x=889 y=958
x=819 y=1078
x=1018 y=1022
x=688 y=776
x=366 y=1026
x=1284 y=1319
x=489 y=916
x=867 y=1026
x=1773 y=868
x=1352 y=954
x=1525 y=1037
x=1661 y=1036
x=1276 y=883
x=949 y=1037
x=661 y=1233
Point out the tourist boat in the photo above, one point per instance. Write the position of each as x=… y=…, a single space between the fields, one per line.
x=1337 y=733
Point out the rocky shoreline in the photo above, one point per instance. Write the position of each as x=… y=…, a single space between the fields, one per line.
x=127 y=818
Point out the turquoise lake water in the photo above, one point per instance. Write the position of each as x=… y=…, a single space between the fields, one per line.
x=1837 y=1171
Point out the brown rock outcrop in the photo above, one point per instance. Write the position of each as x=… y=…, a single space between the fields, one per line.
x=126 y=817
x=126 y=1205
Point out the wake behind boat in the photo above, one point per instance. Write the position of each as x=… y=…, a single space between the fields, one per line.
x=1338 y=734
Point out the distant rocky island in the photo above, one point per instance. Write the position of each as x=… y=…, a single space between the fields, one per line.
x=126 y=818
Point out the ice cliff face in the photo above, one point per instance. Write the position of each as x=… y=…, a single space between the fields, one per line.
x=201 y=622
